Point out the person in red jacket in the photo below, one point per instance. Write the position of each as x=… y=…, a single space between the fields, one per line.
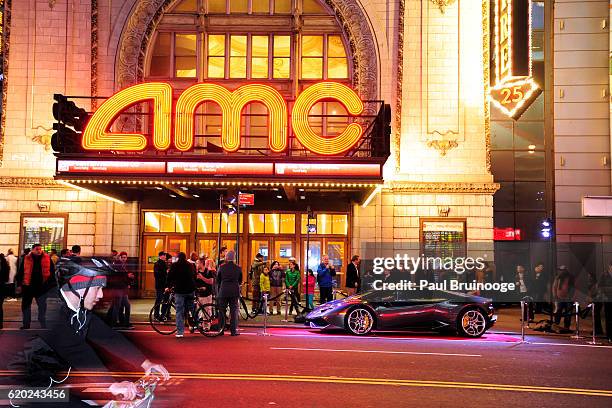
x=38 y=280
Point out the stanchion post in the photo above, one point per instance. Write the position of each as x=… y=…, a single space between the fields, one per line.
x=522 y=321
x=285 y=320
x=594 y=340
x=265 y=322
x=577 y=312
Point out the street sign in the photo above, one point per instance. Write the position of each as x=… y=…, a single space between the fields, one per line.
x=246 y=199
x=312 y=228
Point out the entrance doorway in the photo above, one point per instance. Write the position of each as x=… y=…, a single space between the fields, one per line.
x=334 y=248
x=153 y=245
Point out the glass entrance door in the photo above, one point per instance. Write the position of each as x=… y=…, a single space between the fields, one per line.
x=177 y=244
x=312 y=254
x=283 y=251
x=152 y=247
x=335 y=251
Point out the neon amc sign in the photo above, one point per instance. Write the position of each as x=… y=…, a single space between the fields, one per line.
x=97 y=135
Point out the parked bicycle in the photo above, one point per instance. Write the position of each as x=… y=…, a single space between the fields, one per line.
x=208 y=319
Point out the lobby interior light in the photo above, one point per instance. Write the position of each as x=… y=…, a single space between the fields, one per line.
x=95 y=193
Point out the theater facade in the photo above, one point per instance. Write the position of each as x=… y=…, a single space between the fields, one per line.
x=343 y=126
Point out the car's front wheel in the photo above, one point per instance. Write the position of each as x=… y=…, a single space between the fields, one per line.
x=359 y=321
x=471 y=323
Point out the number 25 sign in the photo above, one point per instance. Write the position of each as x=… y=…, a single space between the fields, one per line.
x=514 y=95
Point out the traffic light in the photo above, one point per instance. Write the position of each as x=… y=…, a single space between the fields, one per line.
x=546 y=228
x=69 y=126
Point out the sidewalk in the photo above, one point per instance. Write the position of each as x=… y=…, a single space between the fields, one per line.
x=508 y=319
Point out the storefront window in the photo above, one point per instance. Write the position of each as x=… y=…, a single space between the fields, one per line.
x=281 y=64
x=216 y=56
x=256 y=224
x=340 y=224
x=257 y=55
x=47 y=231
x=185 y=55
x=187 y=5
x=261 y=6
x=167 y=222
x=337 y=66
x=259 y=60
x=312 y=57
x=239 y=6
x=238 y=53
x=205 y=223
x=216 y=6
x=160 y=61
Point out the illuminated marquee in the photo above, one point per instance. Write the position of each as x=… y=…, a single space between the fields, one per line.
x=97 y=136
x=514 y=88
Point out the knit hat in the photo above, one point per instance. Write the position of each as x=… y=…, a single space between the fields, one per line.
x=81 y=282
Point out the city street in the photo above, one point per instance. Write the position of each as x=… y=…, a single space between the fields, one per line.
x=300 y=367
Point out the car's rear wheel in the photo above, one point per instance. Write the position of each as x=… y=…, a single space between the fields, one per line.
x=359 y=321
x=471 y=323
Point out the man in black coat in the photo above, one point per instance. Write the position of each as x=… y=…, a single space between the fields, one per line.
x=160 y=272
x=229 y=279
x=352 y=276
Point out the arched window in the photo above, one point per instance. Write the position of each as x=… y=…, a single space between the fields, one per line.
x=286 y=44
x=236 y=40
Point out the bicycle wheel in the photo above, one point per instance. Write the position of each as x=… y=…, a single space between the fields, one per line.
x=244 y=310
x=210 y=320
x=165 y=325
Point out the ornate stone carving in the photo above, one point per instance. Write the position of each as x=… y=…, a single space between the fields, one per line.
x=397 y=134
x=94 y=52
x=29 y=182
x=43 y=136
x=486 y=80
x=5 y=57
x=132 y=40
x=442 y=145
x=141 y=25
x=442 y=4
x=470 y=188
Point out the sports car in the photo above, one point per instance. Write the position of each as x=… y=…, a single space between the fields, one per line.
x=464 y=314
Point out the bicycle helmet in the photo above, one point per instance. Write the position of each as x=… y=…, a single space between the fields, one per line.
x=73 y=276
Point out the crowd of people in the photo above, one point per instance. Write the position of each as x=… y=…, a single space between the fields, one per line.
x=31 y=277
x=198 y=277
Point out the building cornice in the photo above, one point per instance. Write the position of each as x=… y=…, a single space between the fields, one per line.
x=445 y=187
x=29 y=182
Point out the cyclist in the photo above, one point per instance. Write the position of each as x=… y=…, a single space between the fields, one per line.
x=74 y=329
x=182 y=279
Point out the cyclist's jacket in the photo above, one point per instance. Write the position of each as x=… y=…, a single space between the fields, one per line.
x=61 y=347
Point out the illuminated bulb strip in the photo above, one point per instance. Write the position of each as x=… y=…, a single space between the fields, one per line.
x=96 y=136
x=113 y=199
x=320 y=144
x=217 y=183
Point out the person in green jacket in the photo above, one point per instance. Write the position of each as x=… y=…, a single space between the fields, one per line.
x=292 y=282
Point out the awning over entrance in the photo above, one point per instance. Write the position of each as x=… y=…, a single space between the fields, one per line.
x=294 y=196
